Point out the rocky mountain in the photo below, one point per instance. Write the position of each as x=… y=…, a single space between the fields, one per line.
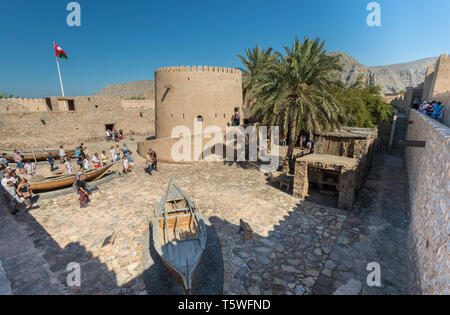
x=129 y=89
x=392 y=78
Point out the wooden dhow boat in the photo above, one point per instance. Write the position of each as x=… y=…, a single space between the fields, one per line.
x=35 y=155
x=63 y=181
x=179 y=234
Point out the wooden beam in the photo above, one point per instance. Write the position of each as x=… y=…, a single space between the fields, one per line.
x=412 y=144
x=406 y=122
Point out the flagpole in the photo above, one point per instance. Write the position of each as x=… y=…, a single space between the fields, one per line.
x=59 y=73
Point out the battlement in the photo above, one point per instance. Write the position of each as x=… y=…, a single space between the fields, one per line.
x=199 y=69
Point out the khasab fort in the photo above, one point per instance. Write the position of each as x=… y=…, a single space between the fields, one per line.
x=352 y=200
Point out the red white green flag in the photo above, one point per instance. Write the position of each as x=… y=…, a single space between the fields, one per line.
x=59 y=52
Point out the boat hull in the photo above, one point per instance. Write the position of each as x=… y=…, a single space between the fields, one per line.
x=179 y=235
x=66 y=181
x=38 y=156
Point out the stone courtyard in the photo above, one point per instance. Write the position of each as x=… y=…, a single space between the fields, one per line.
x=298 y=247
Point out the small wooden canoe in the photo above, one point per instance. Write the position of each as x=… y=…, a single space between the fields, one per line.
x=179 y=234
x=59 y=182
x=38 y=155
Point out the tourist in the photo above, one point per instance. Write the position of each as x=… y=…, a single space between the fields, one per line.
x=68 y=166
x=13 y=199
x=51 y=161
x=126 y=165
x=77 y=153
x=79 y=156
x=15 y=178
x=30 y=168
x=125 y=152
x=84 y=149
x=18 y=160
x=86 y=163
x=116 y=136
x=3 y=165
x=62 y=154
x=103 y=158
x=113 y=154
x=96 y=161
x=108 y=135
x=149 y=161
x=155 y=161
x=282 y=140
x=82 y=191
x=121 y=135
x=6 y=178
x=238 y=118
x=24 y=191
x=437 y=111
x=130 y=160
x=4 y=160
x=117 y=153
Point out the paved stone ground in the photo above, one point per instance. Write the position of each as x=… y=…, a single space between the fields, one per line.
x=298 y=247
x=376 y=232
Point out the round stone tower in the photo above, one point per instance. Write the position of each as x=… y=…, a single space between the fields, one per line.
x=184 y=94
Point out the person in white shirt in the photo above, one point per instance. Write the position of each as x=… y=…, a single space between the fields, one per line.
x=113 y=154
x=6 y=179
x=62 y=154
x=125 y=166
x=86 y=163
x=68 y=166
x=96 y=160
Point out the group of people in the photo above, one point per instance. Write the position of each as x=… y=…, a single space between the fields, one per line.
x=304 y=142
x=16 y=189
x=433 y=109
x=114 y=135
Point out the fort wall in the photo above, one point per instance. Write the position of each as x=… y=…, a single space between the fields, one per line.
x=71 y=120
x=184 y=94
x=428 y=172
x=427 y=92
x=441 y=77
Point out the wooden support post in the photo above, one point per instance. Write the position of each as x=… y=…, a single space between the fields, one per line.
x=412 y=144
x=245 y=230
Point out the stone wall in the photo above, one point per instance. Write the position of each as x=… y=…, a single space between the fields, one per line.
x=53 y=121
x=35 y=130
x=441 y=77
x=427 y=93
x=428 y=172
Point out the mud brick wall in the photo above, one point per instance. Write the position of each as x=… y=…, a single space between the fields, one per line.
x=428 y=172
x=35 y=130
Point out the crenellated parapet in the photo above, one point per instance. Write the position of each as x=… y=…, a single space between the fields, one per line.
x=199 y=69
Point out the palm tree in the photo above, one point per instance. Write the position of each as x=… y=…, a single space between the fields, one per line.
x=293 y=91
x=255 y=61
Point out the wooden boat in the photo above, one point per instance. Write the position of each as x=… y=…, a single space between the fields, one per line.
x=179 y=234
x=36 y=156
x=58 y=182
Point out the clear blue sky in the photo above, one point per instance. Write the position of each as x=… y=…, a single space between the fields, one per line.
x=121 y=41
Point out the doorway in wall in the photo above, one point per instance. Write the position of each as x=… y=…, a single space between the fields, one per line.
x=71 y=105
x=109 y=127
